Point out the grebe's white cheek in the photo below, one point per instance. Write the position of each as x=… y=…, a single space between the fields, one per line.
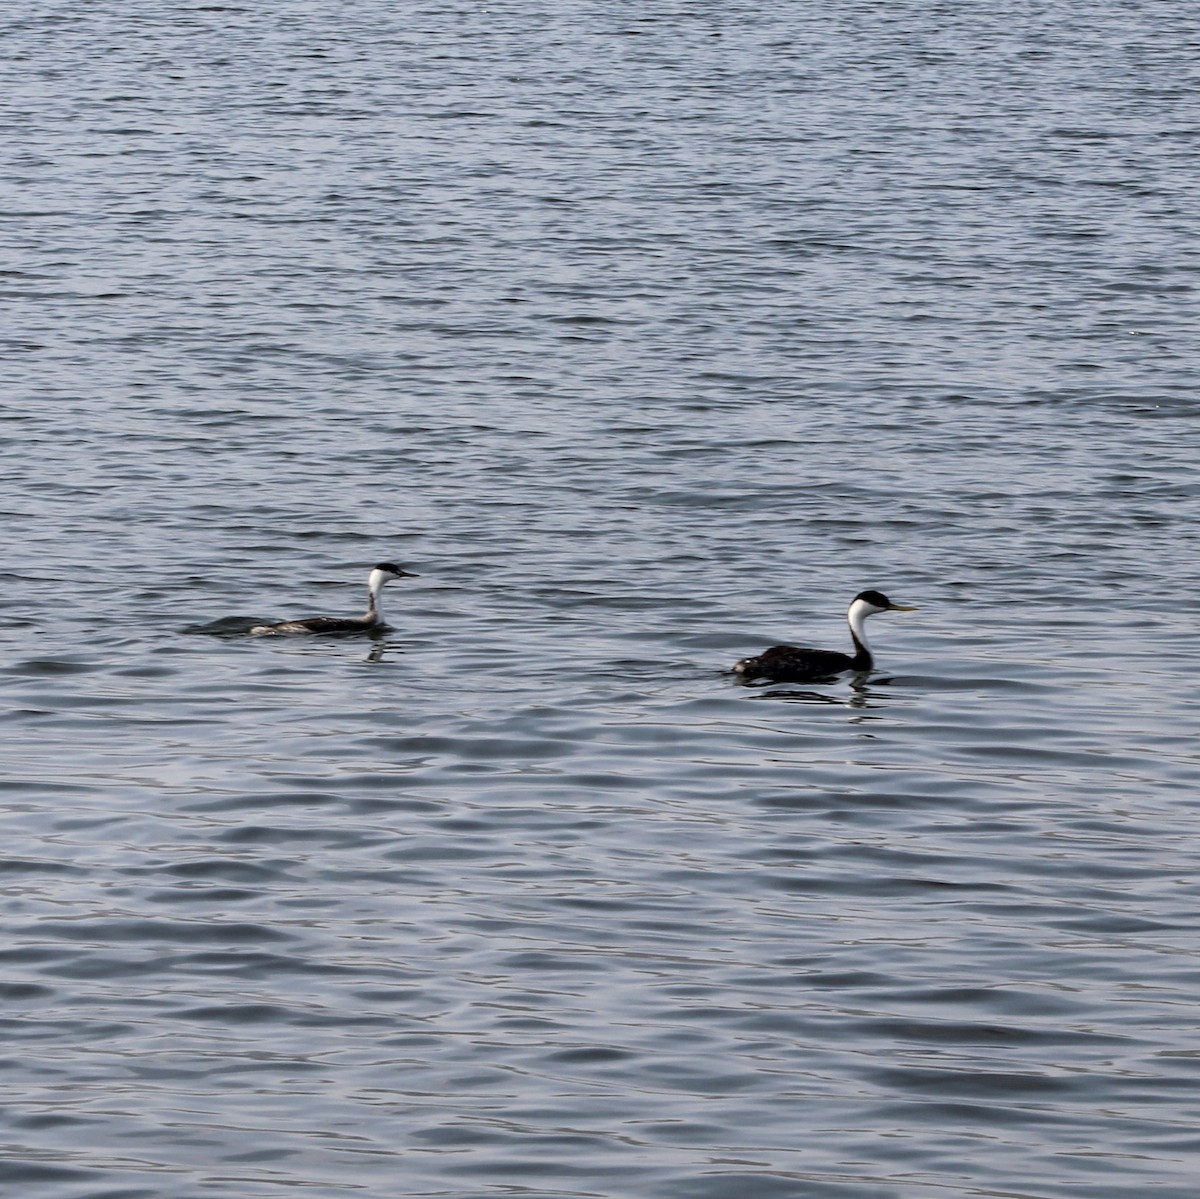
x=860 y=610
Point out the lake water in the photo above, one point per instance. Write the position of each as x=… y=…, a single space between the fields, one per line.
x=647 y=334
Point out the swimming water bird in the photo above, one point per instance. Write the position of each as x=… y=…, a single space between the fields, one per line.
x=381 y=574
x=799 y=664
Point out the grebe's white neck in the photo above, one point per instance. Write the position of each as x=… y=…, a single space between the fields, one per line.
x=856 y=617
x=374 y=586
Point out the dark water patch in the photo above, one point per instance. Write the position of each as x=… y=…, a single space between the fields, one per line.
x=52 y=667
x=977 y=1084
x=33 y=1173
x=277 y=836
x=236 y=803
x=29 y=1030
x=957 y=1032
x=155 y=931
x=1112 y=924
x=247 y=963
x=25 y=992
x=203 y=895
x=878 y=886
x=272 y=870
x=238 y=1015
x=39 y=867
x=1011 y=1000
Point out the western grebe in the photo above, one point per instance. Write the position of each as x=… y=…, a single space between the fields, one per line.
x=798 y=664
x=373 y=619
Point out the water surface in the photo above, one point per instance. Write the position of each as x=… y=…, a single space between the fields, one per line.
x=647 y=335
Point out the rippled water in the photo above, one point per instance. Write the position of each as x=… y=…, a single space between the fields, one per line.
x=648 y=335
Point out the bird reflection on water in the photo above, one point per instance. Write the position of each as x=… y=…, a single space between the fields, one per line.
x=862 y=695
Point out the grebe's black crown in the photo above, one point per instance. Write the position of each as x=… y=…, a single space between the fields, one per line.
x=874 y=597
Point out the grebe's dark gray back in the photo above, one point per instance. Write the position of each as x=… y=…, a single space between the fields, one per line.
x=800 y=664
x=372 y=619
